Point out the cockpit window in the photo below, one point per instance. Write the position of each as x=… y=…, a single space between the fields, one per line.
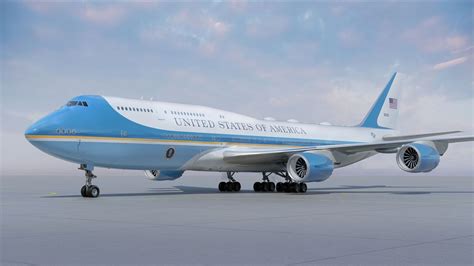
x=74 y=103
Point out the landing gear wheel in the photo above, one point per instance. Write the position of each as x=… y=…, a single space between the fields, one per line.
x=229 y=186
x=271 y=187
x=83 y=191
x=294 y=187
x=93 y=191
x=236 y=186
x=265 y=186
x=89 y=190
x=257 y=187
x=222 y=186
x=302 y=187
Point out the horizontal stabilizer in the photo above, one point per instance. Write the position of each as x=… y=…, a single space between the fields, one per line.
x=406 y=137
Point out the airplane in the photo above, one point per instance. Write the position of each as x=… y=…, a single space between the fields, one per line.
x=166 y=139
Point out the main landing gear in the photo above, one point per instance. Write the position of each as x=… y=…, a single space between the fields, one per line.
x=231 y=186
x=265 y=186
x=291 y=187
x=89 y=190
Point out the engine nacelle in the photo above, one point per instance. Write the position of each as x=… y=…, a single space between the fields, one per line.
x=161 y=175
x=418 y=157
x=309 y=167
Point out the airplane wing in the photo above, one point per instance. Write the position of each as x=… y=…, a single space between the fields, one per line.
x=404 y=137
x=248 y=155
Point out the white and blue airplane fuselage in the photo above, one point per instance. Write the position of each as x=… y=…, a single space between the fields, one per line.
x=166 y=139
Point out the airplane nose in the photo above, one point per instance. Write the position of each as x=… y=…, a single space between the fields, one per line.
x=31 y=130
x=45 y=126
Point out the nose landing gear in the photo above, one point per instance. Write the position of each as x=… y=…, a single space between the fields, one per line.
x=89 y=190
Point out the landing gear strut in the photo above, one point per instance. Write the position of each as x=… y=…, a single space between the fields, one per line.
x=89 y=190
x=266 y=185
x=231 y=186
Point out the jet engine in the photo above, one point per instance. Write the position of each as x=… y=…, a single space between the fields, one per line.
x=161 y=175
x=418 y=157
x=309 y=167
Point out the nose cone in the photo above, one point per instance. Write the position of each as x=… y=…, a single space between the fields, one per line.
x=35 y=129
x=32 y=130
x=45 y=126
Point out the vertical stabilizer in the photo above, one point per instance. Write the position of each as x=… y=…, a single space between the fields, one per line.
x=384 y=112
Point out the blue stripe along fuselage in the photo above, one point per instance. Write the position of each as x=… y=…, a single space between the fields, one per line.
x=100 y=119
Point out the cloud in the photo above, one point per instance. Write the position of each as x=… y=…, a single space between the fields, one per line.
x=45 y=32
x=187 y=30
x=238 y=5
x=450 y=63
x=265 y=26
x=218 y=27
x=105 y=15
x=350 y=37
x=456 y=42
x=40 y=6
x=433 y=35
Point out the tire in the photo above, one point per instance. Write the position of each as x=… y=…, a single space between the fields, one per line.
x=294 y=187
x=279 y=187
x=93 y=191
x=271 y=187
x=265 y=186
x=286 y=187
x=83 y=191
x=303 y=188
x=222 y=186
x=297 y=188
x=257 y=187
x=229 y=186
x=236 y=186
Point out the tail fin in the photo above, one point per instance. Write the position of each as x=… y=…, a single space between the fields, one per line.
x=384 y=112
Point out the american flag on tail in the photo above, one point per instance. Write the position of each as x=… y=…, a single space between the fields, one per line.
x=393 y=103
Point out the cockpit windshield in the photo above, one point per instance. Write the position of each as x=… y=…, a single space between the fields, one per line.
x=74 y=103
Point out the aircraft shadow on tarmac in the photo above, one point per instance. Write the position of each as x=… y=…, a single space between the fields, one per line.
x=379 y=189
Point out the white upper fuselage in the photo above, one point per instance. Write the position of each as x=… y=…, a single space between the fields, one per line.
x=201 y=119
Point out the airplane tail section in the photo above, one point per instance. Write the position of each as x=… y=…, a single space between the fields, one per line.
x=384 y=112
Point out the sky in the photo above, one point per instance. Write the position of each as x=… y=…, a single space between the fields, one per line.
x=310 y=61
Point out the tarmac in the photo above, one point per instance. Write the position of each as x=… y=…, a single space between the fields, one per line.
x=345 y=220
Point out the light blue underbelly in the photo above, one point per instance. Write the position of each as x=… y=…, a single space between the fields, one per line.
x=122 y=155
